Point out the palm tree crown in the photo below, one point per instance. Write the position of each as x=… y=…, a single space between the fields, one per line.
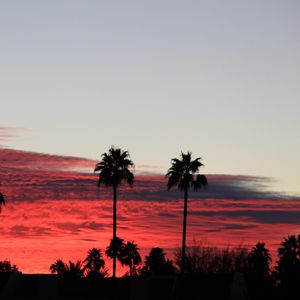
x=114 y=168
x=183 y=173
x=130 y=256
x=94 y=262
x=72 y=271
x=115 y=248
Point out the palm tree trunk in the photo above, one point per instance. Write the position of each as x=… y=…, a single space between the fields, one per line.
x=130 y=270
x=184 y=231
x=115 y=228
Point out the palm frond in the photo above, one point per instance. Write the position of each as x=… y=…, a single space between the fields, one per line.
x=182 y=173
x=199 y=182
x=114 y=168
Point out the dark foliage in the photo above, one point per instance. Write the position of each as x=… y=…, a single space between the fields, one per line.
x=157 y=264
x=206 y=259
x=6 y=266
x=130 y=257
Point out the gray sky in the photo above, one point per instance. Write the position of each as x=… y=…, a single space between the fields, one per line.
x=219 y=78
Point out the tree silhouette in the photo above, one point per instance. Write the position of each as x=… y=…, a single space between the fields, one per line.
x=184 y=174
x=58 y=267
x=2 y=201
x=94 y=264
x=71 y=271
x=6 y=266
x=157 y=264
x=288 y=265
x=130 y=256
x=259 y=260
x=115 y=249
x=114 y=168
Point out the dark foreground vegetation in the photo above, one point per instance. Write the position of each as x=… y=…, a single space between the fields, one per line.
x=220 y=273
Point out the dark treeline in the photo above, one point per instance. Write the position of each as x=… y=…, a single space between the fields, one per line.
x=262 y=280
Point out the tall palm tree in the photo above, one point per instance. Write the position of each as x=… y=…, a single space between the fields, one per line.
x=184 y=174
x=130 y=256
x=114 y=168
x=2 y=201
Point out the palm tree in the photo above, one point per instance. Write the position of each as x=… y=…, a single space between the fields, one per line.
x=114 y=251
x=58 y=267
x=2 y=201
x=184 y=174
x=71 y=271
x=259 y=260
x=113 y=170
x=130 y=256
x=288 y=265
x=94 y=263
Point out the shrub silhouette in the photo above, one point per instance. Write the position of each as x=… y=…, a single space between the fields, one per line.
x=6 y=266
x=201 y=258
x=157 y=264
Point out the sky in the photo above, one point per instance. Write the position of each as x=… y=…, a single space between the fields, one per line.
x=218 y=78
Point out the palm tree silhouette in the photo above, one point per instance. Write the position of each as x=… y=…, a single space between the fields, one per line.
x=130 y=256
x=94 y=263
x=58 y=267
x=288 y=265
x=113 y=170
x=71 y=271
x=114 y=251
x=2 y=201
x=259 y=260
x=184 y=174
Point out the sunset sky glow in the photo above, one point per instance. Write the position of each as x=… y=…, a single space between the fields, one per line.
x=218 y=78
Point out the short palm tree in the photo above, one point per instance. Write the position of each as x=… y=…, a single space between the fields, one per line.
x=130 y=256
x=114 y=168
x=115 y=250
x=58 y=267
x=184 y=174
x=259 y=260
x=94 y=262
x=2 y=201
